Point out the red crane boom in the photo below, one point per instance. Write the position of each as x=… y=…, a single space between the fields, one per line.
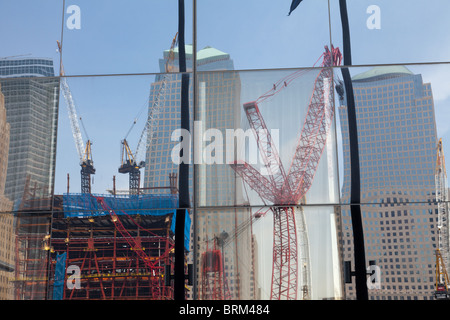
x=152 y=263
x=285 y=191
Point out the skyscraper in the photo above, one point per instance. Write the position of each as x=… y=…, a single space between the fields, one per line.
x=223 y=87
x=31 y=100
x=397 y=151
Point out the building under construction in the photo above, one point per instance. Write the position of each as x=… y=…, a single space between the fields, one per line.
x=98 y=247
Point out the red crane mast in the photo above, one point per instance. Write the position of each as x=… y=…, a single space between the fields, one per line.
x=286 y=190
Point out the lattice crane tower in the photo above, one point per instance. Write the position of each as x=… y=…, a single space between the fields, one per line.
x=285 y=190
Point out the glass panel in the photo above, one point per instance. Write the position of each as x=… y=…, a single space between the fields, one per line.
x=242 y=251
x=394 y=32
x=120 y=38
x=28 y=34
x=263 y=36
x=401 y=116
x=294 y=142
x=133 y=196
x=69 y=232
x=225 y=254
x=402 y=133
x=400 y=241
x=28 y=125
x=143 y=110
x=29 y=108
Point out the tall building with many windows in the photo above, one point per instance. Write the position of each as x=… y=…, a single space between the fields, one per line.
x=218 y=109
x=397 y=152
x=31 y=94
x=219 y=98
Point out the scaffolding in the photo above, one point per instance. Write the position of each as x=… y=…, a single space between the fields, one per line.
x=32 y=219
x=85 y=246
x=109 y=247
x=214 y=282
x=100 y=263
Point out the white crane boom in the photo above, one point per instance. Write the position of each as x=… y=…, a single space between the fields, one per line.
x=73 y=119
x=158 y=103
x=155 y=111
x=79 y=144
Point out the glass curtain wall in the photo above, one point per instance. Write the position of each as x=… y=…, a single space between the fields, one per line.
x=91 y=147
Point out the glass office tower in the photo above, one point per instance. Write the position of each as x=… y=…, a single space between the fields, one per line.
x=31 y=101
x=31 y=95
x=224 y=89
x=397 y=151
x=216 y=184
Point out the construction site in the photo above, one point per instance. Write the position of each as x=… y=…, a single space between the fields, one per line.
x=112 y=247
x=115 y=246
x=80 y=246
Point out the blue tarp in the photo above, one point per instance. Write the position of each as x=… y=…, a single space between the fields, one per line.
x=86 y=205
x=187 y=228
x=60 y=272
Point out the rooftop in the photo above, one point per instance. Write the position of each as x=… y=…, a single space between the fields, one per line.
x=382 y=72
x=203 y=54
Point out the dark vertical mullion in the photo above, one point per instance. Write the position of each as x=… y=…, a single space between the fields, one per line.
x=194 y=105
x=355 y=188
x=183 y=182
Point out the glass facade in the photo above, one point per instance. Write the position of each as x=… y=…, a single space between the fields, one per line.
x=31 y=102
x=396 y=131
x=91 y=150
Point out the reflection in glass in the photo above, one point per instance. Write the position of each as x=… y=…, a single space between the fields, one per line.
x=119 y=38
x=31 y=110
x=30 y=30
x=394 y=32
x=401 y=239
x=396 y=132
x=164 y=111
x=319 y=271
x=264 y=36
x=226 y=265
x=262 y=124
x=303 y=98
x=118 y=253
x=29 y=100
x=405 y=212
x=119 y=237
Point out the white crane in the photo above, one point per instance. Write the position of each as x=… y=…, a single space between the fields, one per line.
x=84 y=152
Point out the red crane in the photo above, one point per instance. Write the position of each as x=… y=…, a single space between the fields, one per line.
x=214 y=282
x=286 y=190
x=152 y=263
